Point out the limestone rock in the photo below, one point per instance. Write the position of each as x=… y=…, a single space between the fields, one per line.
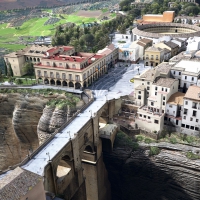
x=170 y=175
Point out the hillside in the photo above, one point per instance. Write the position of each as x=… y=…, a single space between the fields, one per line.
x=21 y=4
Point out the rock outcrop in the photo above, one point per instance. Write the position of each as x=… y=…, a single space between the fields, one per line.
x=19 y=116
x=170 y=175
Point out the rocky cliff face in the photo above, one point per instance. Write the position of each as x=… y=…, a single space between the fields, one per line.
x=166 y=176
x=19 y=116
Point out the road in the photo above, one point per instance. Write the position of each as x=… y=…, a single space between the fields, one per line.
x=117 y=81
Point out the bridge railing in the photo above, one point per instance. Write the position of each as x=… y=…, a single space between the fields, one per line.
x=49 y=139
x=52 y=136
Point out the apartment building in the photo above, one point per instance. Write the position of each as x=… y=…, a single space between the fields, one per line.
x=173 y=111
x=111 y=55
x=171 y=46
x=187 y=71
x=143 y=83
x=153 y=113
x=75 y=71
x=191 y=111
x=154 y=56
x=33 y=54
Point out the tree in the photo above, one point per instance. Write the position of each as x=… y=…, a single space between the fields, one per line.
x=10 y=71
x=5 y=68
x=28 y=69
x=18 y=81
x=1 y=76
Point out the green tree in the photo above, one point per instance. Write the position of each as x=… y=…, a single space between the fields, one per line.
x=18 y=81
x=5 y=68
x=1 y=76
x=28 y=69
x=10 y=71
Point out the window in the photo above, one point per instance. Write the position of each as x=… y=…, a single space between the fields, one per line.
x=185 y=111
x=156 y=121
x=170 y=106
x=187 y=126
x=152 y=103
x=148 y=88
x=142 y=79
x=184 y=117
x=173 y=112
x=155 y=93
x=149 y=117
x=191 y=119
x=140 y=115
x=139 y=92
x=151 y=57
x=186 y=102
x=139 y=97
x=185 y=77
x=164 y=98
x=197 y=120
x=192 y=127
x=194 y=105
x=163 y=104
x=148 y=83
x=174 y=72
x=192 y=78
x=183 y=125
x=176 y=122
x=179 y=73
x=167 y=110
x=165 y=89
x=145 y=116
x=162 y=89
x=156 y=88
x=194 y=113
x=196 y=128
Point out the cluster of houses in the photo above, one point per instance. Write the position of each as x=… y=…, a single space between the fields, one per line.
x=153 y=52
x=168 y=96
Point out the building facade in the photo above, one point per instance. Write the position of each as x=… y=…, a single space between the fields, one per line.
x=75 y=71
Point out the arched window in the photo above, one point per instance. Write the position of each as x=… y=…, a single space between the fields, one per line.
x=88 y=148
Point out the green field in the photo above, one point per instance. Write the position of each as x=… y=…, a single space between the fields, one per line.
x=36 y=27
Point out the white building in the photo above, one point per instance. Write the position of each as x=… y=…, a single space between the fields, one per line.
x=111 y=53
x=153 y=113
x=191 y=113
x=187 y=71
x=173 y=111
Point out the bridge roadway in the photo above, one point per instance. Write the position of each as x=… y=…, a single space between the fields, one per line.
x=39 y=161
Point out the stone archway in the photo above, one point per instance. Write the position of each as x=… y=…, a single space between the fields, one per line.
x=34 y=59
x=89 y=149
x=64 y=83
x=77 y=85
x=40 y=80
x=71 y=84
x=58 y=82
x=46 y=81
x=52 y=82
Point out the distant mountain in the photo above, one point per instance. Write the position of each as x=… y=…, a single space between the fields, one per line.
x=20 y=4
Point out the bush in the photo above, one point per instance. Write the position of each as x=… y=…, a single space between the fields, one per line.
x=147 y=140
x=139 y=138
x=192 y=156
x=18 y=81
x=189 y=139
x=173 y=140
x=154 y=151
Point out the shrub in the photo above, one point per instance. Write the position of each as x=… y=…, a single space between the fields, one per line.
x=192 y=156
x=147 y=140
x=189 y=139
x=154 y=151
x=173 y=140
x=139 y=138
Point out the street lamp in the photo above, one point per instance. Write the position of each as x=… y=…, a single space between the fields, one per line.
x=69 y=134
x=48 y=155
x=91 y=112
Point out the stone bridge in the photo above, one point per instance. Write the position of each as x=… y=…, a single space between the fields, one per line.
x=71 y=161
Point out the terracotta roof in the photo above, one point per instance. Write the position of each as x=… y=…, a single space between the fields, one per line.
x=171 y=44
x=140 y=87
x=193 y=93
x=164 y=68
x=176 y=98
x=165 y=82
x=17 y=183
x=149 y=75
